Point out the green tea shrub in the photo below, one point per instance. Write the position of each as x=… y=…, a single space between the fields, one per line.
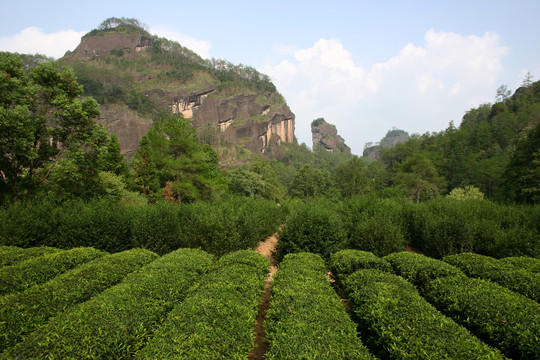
x=315 y=226
x=420 y=269
x=343 y=263
x=40 y=269
x=374 y=225
x=523 y=262
x=217 y=318
x=399 y=324
x=507 y=275
x=502 y=318
x=306 y=319
x=23 y=312
x=10 y=255
x=119 y=321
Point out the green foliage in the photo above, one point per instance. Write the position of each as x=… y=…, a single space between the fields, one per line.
x=521 y=179
x=10 y=255
x=374 y=225
x=420 y=269
x=21 y=313
x=314 y=226
x=217 y=318
x=523 y=262
x=120 y=320
x=306 y=319
x=398 y=323
x=351 y=178
x=311 y=182
x=42 y=117
x=419 y=178
x=504 y=274
x=496 y=315
x=345 y=262
x=34 y=271
x=469 y=192
x=124 y=26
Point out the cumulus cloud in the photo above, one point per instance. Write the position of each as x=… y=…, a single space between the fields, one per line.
x=200 y=47
x=33 y=40
x=422 y=88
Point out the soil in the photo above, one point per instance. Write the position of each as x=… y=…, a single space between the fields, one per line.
x=266 y=248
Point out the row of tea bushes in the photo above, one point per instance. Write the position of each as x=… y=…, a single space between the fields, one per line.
x=500 y=317
x=497 y=315
x=119 y=321
x=23 y=312
x=398 y=323
x=523 y=262
x=306 y=318
x=502 y=273
x=10 y=255
x=218 y=227
x=37 y=270
x=217 y=318
x=345 y=262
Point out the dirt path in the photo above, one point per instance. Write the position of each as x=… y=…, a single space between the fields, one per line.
x=266 y=248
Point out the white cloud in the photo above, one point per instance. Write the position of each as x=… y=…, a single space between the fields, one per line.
x=420 y=89
x=201 y=47
x=33 y=40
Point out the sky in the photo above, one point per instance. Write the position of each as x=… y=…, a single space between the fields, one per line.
x=365 y=66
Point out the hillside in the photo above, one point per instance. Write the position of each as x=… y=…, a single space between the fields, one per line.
x=137 y=77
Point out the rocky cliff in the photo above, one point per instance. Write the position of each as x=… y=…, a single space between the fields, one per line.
x=138 y=78
x=325 y=135
x=392 y=138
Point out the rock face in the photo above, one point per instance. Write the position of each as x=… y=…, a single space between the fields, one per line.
x=392 y=138
x=325 y=135
x=255 y=121
x=101 y=46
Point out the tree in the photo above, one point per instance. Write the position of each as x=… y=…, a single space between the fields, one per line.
x=527 y=79
x=503 y=93
x=419 y=178
x=312 y=182
x=351 y=178
x=42 y=117
x=146 y=179
x=189 y=166
x=468 y=192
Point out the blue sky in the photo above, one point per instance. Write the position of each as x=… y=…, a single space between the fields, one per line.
x=364 y=66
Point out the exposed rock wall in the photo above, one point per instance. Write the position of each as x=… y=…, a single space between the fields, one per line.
x=100 y=46
x=325 y=135
x=241 y=118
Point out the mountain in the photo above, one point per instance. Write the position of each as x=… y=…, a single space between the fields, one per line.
x=324 y=135
x=392 y=138
x=137 y=78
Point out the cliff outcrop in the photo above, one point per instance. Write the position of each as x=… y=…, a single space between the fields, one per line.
x=325 y=135
x=392 y=138
x=245 y=112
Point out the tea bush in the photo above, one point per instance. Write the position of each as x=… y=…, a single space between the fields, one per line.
x=314 y=226
x=40 y=269
x=345 y=262
x=10 y=255
x=420 y=269
x=497 y=315
x=400 y=324
x=507 y=275
x=217 y=318
x=120 y=320
x=23 y=312
x=306 y=319
x=523 y=262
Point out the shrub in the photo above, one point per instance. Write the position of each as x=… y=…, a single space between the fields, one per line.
x=400 y=324
x=497 y=315
x=40 y=269
x=507 y=275
x=524 y=262
x=343 y=263
x=306 y=318
x=315 y=226
x=217 y=318
x=120 y=320
x=374 y=225
x=10 y=255
x=23 y=312
x=420 y=269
